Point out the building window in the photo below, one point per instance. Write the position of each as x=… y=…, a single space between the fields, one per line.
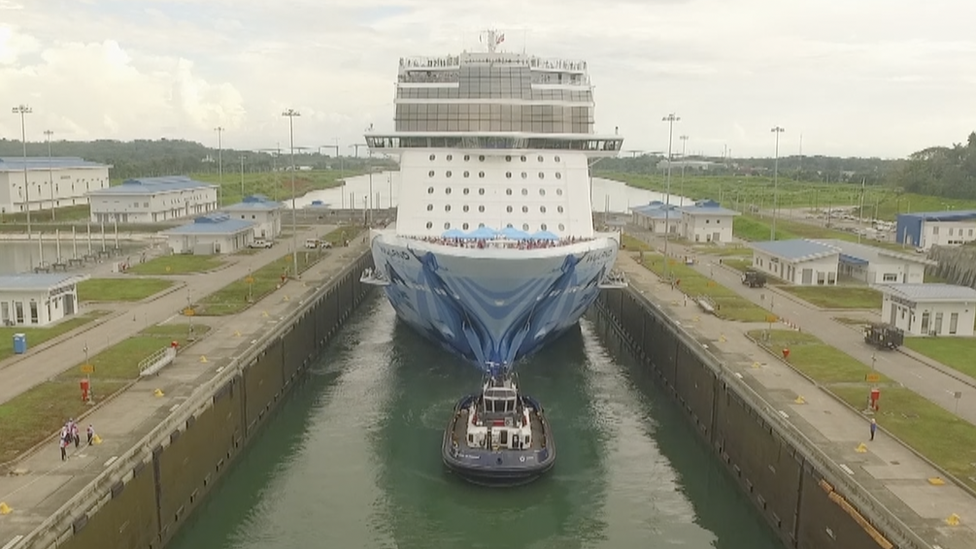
x=447 y=207
x=466 y=174
x=508 y=209
x=559 y=192
x=556 y=159
x=449 y=174
x=465 y=226
x=890 y=277
x=432 y=158
x=953 y=323
x=522 y=158
x=559 y=175
x=508 y=175
x=447 y=190
x=540 y=158
x=508 y=192
x=508 y=159
x=543 y=227
x=481 y=209
x=525 y=226
x=450 y=157
x=542 y=175
x=467 y=157
x=559 y=209
x=465 y=208
x=430 y=190
x=481 y=174
x=542 y=209
x=935 y=230
x=33 y=312
x=481 y=191
x=925 y=323
x=481 y=158
x=525 y=209
x=430 y=173
x=542 y=192
x=447 y=225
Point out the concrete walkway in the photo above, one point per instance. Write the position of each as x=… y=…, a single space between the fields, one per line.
x=41 y=483
x=21 y=373
x=934 y=381
x=890 y=471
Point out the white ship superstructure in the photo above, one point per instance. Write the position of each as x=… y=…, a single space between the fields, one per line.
x=494 y=251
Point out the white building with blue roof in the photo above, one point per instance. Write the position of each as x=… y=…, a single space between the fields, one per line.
x=707 y=221
x=152 y=199
x=215 y=233
x=38 y=300
x=926 y=229
x=54 y=182
x=929 y=309
x=802 y=262
x=260 y=210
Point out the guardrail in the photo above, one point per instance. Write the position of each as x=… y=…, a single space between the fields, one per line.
x=156 y=361
x=61 y=520
x=877 y=513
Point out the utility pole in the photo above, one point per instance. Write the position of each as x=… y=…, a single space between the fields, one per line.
x=242 y=177
x=772 y=228
x=50 y=172
x=681 y=186
x=24 y=110
x=220 y=163
x=670 y=119
x=291 y=114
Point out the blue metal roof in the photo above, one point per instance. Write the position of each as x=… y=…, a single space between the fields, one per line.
x=796 y=250
x=214 y=224
x=257 y=202
x=154 y=185
x=928 y=292
x=14 y=163
x=708 y=209
x=37 y=281
x=851 y=260
x=947 y=215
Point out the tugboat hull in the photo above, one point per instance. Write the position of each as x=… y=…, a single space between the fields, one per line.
x=503 y=467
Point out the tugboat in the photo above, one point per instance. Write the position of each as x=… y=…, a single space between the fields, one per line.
x=499 y=437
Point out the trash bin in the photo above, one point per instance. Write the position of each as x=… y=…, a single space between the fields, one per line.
x=85 y=385
x=20 y=344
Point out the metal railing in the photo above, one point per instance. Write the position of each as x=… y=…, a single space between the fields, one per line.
x=156 y=361
x=877 y=514
x=55 y=526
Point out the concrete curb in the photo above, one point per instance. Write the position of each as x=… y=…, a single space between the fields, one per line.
x=30 y=451
x=61 y=338
x=963 y=486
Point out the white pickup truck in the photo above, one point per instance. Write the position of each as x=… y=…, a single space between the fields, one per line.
x=260 y=243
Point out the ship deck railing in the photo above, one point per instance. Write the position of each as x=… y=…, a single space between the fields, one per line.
x=374 y=278
x=614 y=280
x=506 y=243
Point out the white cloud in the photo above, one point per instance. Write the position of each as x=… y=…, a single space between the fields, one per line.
x=882 y=77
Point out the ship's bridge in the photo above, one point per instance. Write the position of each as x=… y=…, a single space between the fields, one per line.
x=495 y=143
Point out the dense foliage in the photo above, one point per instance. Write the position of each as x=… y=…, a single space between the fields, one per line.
x=941 y=171
x=174 y=157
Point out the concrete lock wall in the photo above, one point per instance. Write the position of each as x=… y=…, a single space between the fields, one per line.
x=148 y=494
x=786 y=480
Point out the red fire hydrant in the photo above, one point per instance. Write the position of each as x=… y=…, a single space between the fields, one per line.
x=875 y=397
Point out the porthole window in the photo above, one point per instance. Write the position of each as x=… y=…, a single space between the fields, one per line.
x=481 y=209
x=525 y=209
x=467 y=173
x=523 y=158
x=481 y=174
x=543 y=227
x=430 y=207
x=481 y=191
x=525 y=192
x=542 y=209
x=542 y=175
x=559 y=209
x=556 y=158
x=508 y=209
x=559 y=192
x=449 y=174
x=481 y=225
x=465 y=226
x=508 y=192
x=508 y=175
x=430 y=190
x=432 y=157
x=542 y=192
x=467 y=157
x=525 y=226
x=466 y=190
x=508 y=159
x=481 y=158
x=447 y=207
x=447 y=190
x=450 y=157
x=562 y=227
x=429 y=225
x=524 y=175
x=430 y=173
x=509 y=226
x=465 y=208
x=447 y=225
x=540 y=158
x=559 y=175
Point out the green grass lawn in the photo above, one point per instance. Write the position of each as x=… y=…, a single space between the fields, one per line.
x=955 y=352
x=851 y=321
x=67 y=213
x=120 y=289
x=276 y=186
x=813 y=357
x=754 y=229
x=37 y=336
x=633 y=244
x=937 y=434
x=729 y=250
x=837 y=297
x=738 y=264
x=31 y=417
x=731 y=306
x=233 y=298
x=177 y=264
x=338 y=236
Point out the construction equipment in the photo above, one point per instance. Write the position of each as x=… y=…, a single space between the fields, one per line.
x=753 y=279
x=883 y=336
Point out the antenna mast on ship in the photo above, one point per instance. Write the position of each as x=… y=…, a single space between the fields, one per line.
x=492 y=39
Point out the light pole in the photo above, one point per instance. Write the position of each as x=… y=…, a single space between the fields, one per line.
x=772 y=227
x=291 y=114
x=681 y=186
x=369 y=164
x=50 y=171
x=670 y=119
x=24 y=110
x=220 y=162
x=242 y=177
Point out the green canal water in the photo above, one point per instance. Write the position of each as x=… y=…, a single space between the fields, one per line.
x=352 y=459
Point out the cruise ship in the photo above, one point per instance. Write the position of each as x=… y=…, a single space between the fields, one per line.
x=493 y=253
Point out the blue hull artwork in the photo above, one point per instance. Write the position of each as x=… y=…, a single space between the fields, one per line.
x=491 y=309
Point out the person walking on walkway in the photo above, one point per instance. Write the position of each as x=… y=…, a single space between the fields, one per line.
x=75 y=435
x=874 y=427
x=91 y=433
x=63 y=443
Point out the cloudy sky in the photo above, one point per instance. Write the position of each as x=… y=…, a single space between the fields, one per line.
x=853 y=77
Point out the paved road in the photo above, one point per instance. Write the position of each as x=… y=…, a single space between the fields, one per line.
x=930 y=382
x=41 y=483
x=890 y=471
x=21 y=373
